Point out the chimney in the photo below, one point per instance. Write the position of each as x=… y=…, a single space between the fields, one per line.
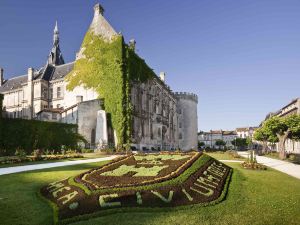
x=30 y=74
x=98 y=9
x=1 y=76
x=132 y=43
x=79 y=98
x=162 y=76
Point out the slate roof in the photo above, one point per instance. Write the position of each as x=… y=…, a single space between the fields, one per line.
x=48 y=73
x=62 y=70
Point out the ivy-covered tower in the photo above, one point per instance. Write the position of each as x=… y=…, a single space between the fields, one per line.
x=140 y=108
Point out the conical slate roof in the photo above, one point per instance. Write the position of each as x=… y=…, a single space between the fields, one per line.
x=99 y=26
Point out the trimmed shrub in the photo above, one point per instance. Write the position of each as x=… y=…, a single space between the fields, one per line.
x=30 y=135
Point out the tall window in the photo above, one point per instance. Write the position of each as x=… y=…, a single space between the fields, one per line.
x=58 y=92
x=51 y=93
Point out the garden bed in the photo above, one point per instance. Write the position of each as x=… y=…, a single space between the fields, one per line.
x=153 y=180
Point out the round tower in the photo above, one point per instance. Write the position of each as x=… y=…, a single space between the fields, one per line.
x=187 y=120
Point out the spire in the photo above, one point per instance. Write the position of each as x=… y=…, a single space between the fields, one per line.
x=55 y=57
x=55 y=36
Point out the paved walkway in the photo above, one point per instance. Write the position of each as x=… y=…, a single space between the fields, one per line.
x=18 y=169
x=229 y=160
x=282 y=166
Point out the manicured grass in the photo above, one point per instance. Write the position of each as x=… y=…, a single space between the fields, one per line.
x=85 y=156
x=254 y=197
x=19 y=200
x=223 y=156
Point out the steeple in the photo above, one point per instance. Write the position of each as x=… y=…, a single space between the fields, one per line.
x=55 y=57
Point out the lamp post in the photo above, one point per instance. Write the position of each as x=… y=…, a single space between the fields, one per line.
x=235 y=143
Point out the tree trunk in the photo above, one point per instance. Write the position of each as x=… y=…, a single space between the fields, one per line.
x=281 y=145
x=265 y=145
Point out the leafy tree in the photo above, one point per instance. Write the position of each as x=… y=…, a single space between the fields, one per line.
x=240 y=143
x=220 y=143
x=283 y=128
x=263 y=135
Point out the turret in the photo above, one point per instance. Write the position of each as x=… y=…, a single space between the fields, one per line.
x=187 y=117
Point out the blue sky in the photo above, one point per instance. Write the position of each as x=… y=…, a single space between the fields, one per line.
x=242 y=58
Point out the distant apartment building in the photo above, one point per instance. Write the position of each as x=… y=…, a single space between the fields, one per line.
x=291 y=108
x=210 y=138
x=245 y=132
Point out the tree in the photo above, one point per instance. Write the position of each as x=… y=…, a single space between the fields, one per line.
x=240 y=143
x=263 y=135
x=283 y=128
x=200 y=144
x=220 y=143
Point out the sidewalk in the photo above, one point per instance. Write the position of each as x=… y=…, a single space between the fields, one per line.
x=282 y=166
x=18 y=169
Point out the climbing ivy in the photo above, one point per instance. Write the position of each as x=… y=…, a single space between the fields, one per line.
x=109 y=67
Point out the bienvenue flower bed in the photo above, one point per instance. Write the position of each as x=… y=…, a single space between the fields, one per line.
x=150 y=182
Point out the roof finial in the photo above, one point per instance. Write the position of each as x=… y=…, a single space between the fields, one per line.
x=55 y=36
x=98 y=9
x=56 y=27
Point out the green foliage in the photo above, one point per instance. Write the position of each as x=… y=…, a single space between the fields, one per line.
x=201 y=144
x=279 y=126
x=102 y=69
x=220 y=142
x=293 y=124
x=109 y=68
x=263 y=134
x=275 y=125
x=240 y=142
x=31 y=134
x=283 y=128
x=20 y=153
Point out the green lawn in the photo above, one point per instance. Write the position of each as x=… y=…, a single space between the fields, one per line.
x=254 y=197
x=223 y=156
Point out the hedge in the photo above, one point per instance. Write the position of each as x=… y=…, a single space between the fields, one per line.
x=32 y=134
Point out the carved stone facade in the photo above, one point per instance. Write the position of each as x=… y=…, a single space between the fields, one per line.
x=161 y=119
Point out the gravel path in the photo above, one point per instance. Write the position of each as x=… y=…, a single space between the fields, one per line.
x=282 y=166
x=18 y=169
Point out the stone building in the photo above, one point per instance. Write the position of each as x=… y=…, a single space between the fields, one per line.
x=210 y=138
x=162 y=119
